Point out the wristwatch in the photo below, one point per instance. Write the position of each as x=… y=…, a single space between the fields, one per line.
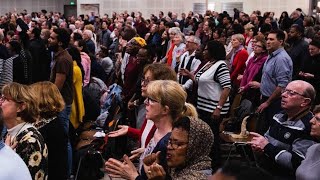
x=219 y=107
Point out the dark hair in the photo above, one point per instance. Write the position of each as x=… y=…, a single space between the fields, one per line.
x=315 y=42
x=279 y=34
x=265 y=28
x=160 y=72
x=298 y=28
x=77 y=36
x=63 y=37
x=15 y=46
x=237 y=29
x=183 y=123
x=285 y=13
x=216 y=50
x=75 y=54
x=82 y=43
x=36 y=31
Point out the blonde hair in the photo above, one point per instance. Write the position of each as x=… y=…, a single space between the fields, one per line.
x=49 y=97
x=21 y=94
x=170 y=93
x=89 y=27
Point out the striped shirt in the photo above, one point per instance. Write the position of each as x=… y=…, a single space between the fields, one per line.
x=6 y=70
x=212 y=78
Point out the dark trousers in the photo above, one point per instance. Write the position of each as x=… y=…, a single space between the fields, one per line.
x=266 y=117
x=214 y=124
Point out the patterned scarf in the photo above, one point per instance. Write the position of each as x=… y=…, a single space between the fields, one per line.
x=197 y=158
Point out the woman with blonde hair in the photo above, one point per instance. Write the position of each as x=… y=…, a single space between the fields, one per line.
x=20 y=110
x=50 y=105
x=165 y=103
x=238 y=59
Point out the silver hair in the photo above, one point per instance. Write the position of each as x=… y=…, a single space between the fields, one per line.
x=89 y=33
x=174 y=30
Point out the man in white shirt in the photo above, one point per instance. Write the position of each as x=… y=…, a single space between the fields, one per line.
x=188 y=61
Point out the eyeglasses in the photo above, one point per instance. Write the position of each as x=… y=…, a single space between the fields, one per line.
x=3 y=98
x=150 y=100
x=145 y=82
x=191 y=42
x=291 y=92
x=258 y=46
x=176 y=144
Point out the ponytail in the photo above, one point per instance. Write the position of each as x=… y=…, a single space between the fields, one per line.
x=190 y=111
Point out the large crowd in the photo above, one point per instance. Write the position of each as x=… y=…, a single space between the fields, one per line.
x=167 y=84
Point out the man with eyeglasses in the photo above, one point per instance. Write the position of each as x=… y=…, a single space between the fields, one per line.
x=285 y=144
x=188 y=61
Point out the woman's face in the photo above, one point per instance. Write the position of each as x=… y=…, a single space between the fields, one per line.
x=205 y=53
x=164 y=35
x=177 y=39
x=206 y=26
x=258 y=48
x=235 y=42
x=177 y=148
x=172 y=35
x=148 y=77
x=154 y=110
x=9 y=108
x=315 y=126
x=313 y=50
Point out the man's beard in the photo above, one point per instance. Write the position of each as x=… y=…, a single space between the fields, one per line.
x=53 y=48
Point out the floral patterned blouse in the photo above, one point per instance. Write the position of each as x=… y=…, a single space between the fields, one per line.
x=33 y=151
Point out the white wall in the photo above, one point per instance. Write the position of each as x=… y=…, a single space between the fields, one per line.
x=276 y=6
x=154 y=6
x=32 y=5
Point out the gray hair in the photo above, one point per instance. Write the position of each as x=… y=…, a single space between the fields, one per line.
x=240 y=38
x=174 y=30
x=88 y=32
x=195 y=39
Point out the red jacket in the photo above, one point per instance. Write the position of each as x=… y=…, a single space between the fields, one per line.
x=137 y=133
x=238 y=66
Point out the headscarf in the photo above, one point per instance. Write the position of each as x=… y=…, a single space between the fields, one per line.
x=140 y=41
x=200 y=140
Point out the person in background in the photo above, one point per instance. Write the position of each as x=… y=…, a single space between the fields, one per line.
x=62 y=77
x=50 y=105
x=310 y=70
x=77 y=108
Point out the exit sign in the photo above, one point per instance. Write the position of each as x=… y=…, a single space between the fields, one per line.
x=72 y=3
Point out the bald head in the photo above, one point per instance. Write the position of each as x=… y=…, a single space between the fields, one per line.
x=307 y=89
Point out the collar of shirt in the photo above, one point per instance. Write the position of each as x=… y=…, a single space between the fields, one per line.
x=59 y=53
x=275 y=53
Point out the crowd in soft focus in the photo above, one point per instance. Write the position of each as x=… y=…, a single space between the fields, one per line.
x=174 y=80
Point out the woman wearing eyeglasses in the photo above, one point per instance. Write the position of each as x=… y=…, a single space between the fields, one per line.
x=250 y=82
x=187 y=152
x=165 y=103
x=151 y=73
x=20 y=110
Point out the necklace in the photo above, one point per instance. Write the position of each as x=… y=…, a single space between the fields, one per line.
x=12 y=139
